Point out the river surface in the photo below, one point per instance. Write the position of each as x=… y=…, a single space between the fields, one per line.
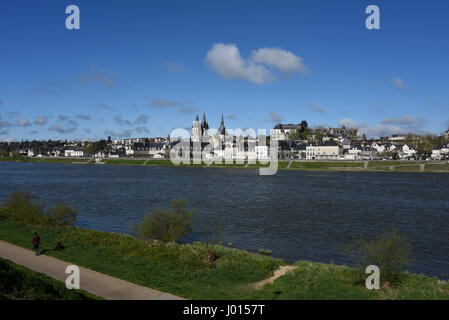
x=299 y=215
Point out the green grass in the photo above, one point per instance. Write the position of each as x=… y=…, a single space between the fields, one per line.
x=325 y=165
x=124 y=161
x=328 y=281
x=183 y=270
x=179 y=269
x=404 y=166
x=20 y=283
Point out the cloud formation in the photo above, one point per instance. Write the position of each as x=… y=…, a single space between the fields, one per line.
x=141 y=129
x=103 y=106
x=122 y=122
x=225 y=59
x=96 y=75
x=404 y=124
x=186 y=110
x=142 y=119
x=40 y=121
x=5 y=124
x=61 y=130
x=315 y=108
x=63 y=117
x=275 y=117
x=398 y=84
x=73 y=123
x=22 y=122
x=83 y=117
x=164 y=103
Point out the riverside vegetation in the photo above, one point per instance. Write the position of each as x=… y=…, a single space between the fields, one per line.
x=373 y=165
x=188 y=270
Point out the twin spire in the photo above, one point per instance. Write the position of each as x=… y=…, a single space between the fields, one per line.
x=205 y=124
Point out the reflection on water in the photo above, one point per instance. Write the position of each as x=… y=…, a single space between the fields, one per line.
x=296 y=214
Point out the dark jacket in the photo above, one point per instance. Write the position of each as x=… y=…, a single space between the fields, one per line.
x=36 y=240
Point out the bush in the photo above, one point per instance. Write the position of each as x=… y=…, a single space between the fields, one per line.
x=391 y=252
x=61 y=215
x=23 y=208
x=167 y=226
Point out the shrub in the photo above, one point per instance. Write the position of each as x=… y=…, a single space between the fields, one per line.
x=390 y=251
x=167 y=226
x=264 y=251
x=61 y=215
x=23 y=208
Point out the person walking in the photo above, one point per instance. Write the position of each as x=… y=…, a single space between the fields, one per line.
x=36 y=241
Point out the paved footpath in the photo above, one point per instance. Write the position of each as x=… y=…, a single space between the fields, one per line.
x=99 y=284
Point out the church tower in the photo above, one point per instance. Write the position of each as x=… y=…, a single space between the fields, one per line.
x=196 y=130
x=222 y=129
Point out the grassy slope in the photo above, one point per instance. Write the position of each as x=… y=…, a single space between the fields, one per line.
x=184 y=271
x=19 y=283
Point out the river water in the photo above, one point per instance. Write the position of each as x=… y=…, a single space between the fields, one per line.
x=299 y=215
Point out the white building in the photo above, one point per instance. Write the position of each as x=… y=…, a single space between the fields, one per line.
x=283 y=131
x=398 y=137
x=327 y=151
x=408 y=151
x=73 y=153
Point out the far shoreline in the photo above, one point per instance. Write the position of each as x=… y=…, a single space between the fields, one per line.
x=420 y=166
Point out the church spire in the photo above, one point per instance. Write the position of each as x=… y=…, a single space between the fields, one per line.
x=222 y=129
x=197 y=119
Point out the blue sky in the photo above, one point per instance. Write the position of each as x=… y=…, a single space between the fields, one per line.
x=143 y=68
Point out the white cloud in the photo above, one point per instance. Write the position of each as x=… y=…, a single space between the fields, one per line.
x=61 y=130
x=22 y=122
x=315 y=108
x=275 y=117
x=281 y=59
x=225 y=59
x=389 y=126
x=348 y=123
x=40 y=121
x=398 y=84
x=123 y=122
x=142 y=119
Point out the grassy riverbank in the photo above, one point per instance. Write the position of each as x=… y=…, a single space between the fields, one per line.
x=188 y=271
x=19 y=283
x=357 y=166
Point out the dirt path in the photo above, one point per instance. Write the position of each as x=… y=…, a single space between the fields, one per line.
x=99 y=284
x=278 y=273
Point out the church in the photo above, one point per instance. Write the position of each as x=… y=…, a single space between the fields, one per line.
x=201 y=133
